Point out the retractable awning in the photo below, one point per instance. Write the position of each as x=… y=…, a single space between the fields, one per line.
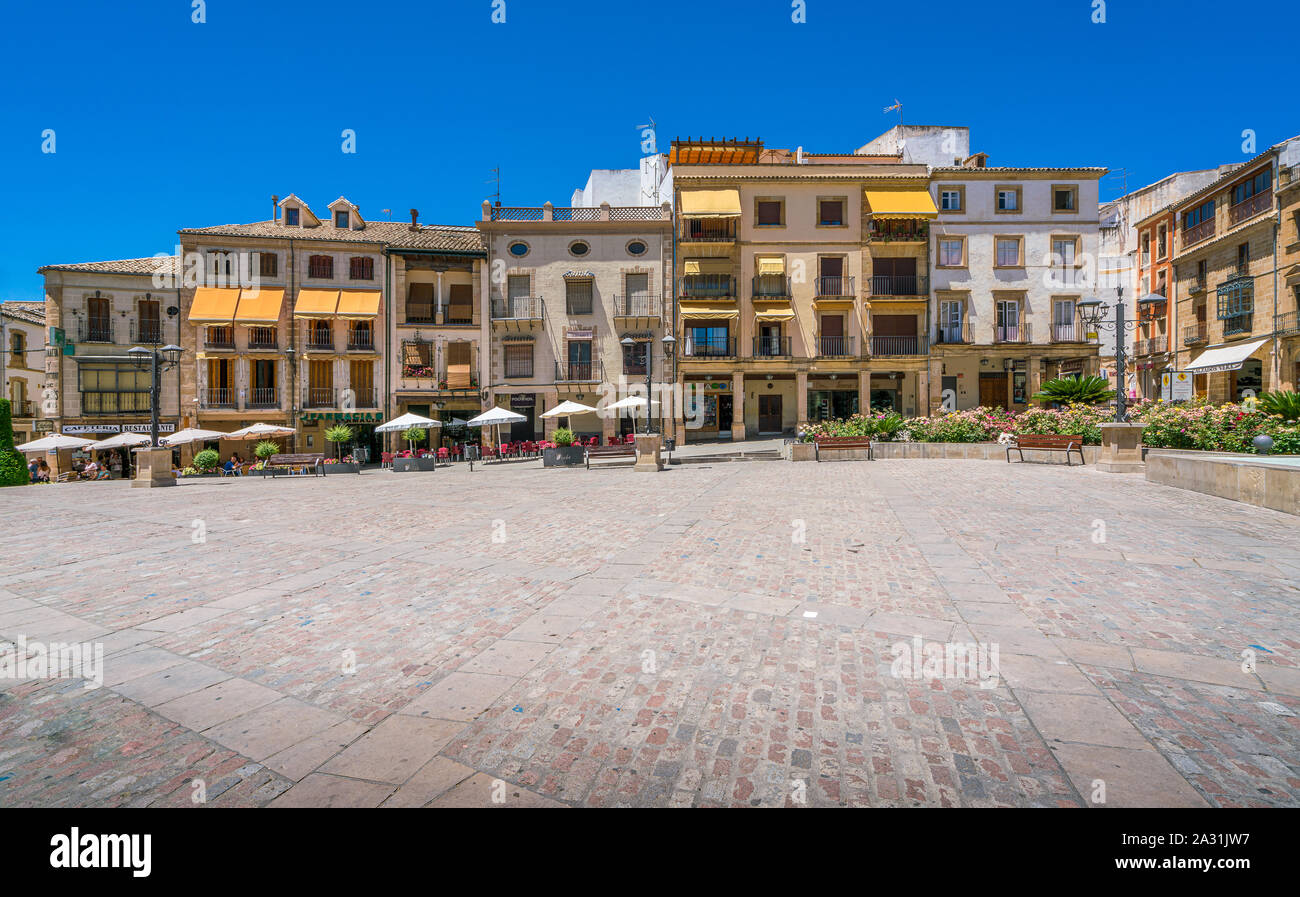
x=706 y=266
x=771 y=265
x=259 y=306
x=697 y=310
x=773 y=311
x=711 y=203
x=358 y=304
x=316 y=304
x=901 y=202
x=214 y=305
x=1223 y=358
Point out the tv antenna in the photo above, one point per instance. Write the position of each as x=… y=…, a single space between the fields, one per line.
x=495 y=179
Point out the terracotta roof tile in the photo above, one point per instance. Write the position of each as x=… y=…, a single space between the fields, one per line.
x=120 y=266
x=397 y=234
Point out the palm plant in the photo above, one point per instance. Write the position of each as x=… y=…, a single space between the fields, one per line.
x=1285 y=403
x=1076 y=390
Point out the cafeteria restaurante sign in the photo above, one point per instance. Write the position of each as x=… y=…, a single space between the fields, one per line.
x=115 y=428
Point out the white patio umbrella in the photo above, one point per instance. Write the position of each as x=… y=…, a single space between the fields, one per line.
x=121 y=440
x=190 y=434
x=259 y=430
x=496 y=416
x=635 y=402
x=54 y=442
x=566 y=408
x=406 y=422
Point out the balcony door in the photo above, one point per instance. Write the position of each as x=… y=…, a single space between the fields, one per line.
x=221 y=381
x=832 y=335
x=893 y=276
x=580 y=359
x=149 y=321
x=362 y=380
x=638 y=294
x=460 y=307
x=1008 y=321
x=263 y=384
x=950 y=321
x=98 y=320
x=518 y=290
x=459 y=365
x=320 y=384
x=1063 y=320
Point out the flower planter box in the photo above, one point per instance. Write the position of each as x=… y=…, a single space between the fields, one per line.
x=406 y=465
x=562 y=456
x=342 y=467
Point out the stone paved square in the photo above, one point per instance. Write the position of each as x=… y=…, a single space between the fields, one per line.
x=723 y=634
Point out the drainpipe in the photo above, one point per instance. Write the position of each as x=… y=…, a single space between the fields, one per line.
x=671 y=295
x=1276 y=371
x=293 y=356
x=388 y=338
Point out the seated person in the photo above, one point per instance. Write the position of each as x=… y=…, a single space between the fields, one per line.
x=92 y=471
x=230 y=467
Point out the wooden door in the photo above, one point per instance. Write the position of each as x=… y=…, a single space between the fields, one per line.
x=993 y=390
x=769 y=414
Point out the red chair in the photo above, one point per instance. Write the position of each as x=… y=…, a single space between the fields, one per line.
x=630 y=440
x=443 y=454
x=385 y=459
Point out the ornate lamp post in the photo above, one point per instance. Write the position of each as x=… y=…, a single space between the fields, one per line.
x=670 y=343
x=158 y=360
x=1092 y=311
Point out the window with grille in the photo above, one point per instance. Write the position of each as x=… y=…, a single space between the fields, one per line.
x=519 y=359
x=577 y=294
x=268 y=264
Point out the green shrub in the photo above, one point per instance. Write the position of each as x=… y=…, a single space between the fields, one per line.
x=13 y=467
x=207 y=460
x=414 y=435
x=562 y=436
x=265 y=449
x=1076 y=419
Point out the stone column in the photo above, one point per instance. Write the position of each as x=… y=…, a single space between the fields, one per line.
x=439 y=310
x=738 y=406
x=801 y=399
x=1034 y=378
x=864 y=391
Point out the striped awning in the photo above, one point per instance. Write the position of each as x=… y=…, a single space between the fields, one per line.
x=689 y=309
x=723 y=203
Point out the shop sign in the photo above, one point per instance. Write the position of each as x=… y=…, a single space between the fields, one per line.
x=116 y=428
x=1176 y=386
x=353 y=416
x=43 y=426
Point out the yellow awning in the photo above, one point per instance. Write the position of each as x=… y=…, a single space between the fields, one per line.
x=703 y=309
x=358 y=304
x=771 y=265
x=214 y=305
x=260 y=306
x=711 y=203
x=773 y=311
x=901 y=202
x=706 y=266
x=316 y=304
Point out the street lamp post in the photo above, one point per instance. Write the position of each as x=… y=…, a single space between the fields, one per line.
x=1092 y=312
x=158 y=361
x=669 y=342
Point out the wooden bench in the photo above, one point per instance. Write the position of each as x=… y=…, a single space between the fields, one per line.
x=607 y=451
x=290 y=463
x=1047 y=442
x=835 y=443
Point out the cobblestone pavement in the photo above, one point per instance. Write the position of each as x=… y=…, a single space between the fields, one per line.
x=713 y=635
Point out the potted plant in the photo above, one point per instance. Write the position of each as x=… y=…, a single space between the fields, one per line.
x=565 y=453
x=263 y=451
x=206 y=461
x=405 y=465
x=339 y=434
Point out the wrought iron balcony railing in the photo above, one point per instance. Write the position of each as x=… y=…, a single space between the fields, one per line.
x=953 y=334
x=1287 y=323
x=518 y=308
x=263 y=338
x=578 y=372
x=636 y=305
x=833 y=346
x=1073 y=332
x=95 y=330
x=711 y=347
x=264 y=397
x=837 y=287
x=147 y=331
x=318 y=397
x=219 y=397
x=708 y=286
x=898 y=345
x=1249 y=208
x=1019 y=333
x=900 y=285
x=708 y=230
x=361 y=340
x=1197 y=233
x=771 y=346
x=1195 y=333
x=771 y=286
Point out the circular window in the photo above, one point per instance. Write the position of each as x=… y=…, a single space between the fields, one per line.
x=519 y=250
x=579 y=248
x=636 y=247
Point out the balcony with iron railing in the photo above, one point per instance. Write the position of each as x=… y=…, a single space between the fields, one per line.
x=361 y=340
x=263 y=397
x=114 y=402
x=95 y=330
x=636 y=305
x=953 y=334
x=263 y=338
x=772 y=347
x=1154 y=345
x=359 y=397
x=518 y=308
x=319 y=397
x=893 y=231
x=1249 y=208
x=771 y=286
x=22 y=408
x=708 y=286
x=708 y=230
x=217 y=397
x=218 y=338
x=1016 y=334
x=708 y=347
x=1196 y=333
x=1195 y=234
x=900 y=285
x=578 y=372
x=319 y=339
x=833 y=346
x=146 y=330
x=834 y=287
x=1069 y=332
x=1287 y=323
x=1194 y=284
x=549 y=212
x=886 y=346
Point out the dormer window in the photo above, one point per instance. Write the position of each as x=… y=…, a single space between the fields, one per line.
x=341 y=220
x=291 y=217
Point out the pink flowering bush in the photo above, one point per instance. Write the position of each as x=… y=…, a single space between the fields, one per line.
x=972 y=425
x=1084 y=420
x=1214 y=428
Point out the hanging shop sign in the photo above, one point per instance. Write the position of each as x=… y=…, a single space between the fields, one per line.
x=116 y=428
x=353 y=416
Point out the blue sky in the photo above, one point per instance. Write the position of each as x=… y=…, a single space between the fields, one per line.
x=162 y=123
